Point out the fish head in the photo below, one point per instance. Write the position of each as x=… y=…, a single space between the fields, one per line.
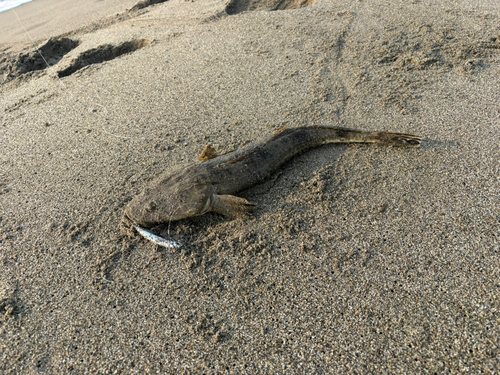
x=165 y=201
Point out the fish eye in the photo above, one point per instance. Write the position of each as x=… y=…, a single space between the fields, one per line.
x=151 y=206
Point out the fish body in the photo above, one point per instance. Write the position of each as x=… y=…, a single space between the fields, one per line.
x=210 y=183
x=160 y=241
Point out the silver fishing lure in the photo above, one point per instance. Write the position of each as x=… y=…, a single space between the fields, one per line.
x=160 y=241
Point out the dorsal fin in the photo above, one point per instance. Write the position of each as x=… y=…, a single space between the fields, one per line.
x=208 y=153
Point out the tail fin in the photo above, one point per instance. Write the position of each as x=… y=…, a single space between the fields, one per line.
x=395 y=139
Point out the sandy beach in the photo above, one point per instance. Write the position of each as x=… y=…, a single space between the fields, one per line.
x=359 y=259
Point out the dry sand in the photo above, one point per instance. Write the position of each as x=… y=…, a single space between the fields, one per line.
x=359 y=259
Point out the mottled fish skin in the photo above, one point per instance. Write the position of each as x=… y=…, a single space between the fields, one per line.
x=209 y=184
x=160 y=241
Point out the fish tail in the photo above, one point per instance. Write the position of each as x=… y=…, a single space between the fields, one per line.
x=330 y=134
x=394 y=139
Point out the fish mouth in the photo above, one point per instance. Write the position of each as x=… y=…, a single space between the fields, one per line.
x=129 y=218
x=126 y=219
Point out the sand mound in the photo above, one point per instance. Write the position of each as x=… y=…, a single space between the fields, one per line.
x=103 y=53
x=46 y=55
x=238 y=6
x=145 y=4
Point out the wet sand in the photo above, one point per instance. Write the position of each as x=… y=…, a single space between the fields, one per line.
x=359 y=259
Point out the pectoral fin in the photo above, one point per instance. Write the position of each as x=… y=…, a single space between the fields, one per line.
x=231 y=205
x=208 y=153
